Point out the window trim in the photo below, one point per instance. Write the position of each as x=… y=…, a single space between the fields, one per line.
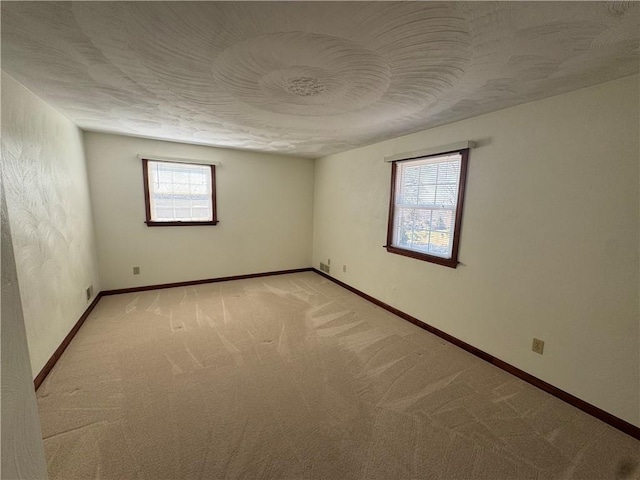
x=147 y=202
x=447 y=262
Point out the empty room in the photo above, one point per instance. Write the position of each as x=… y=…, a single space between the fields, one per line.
x=320 y=240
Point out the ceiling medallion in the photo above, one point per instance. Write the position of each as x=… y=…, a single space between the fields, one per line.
x=305 y=86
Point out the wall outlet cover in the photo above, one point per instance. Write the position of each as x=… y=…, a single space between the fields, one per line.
x=537 y=346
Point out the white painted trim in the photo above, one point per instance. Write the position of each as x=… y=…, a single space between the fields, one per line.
x=161 y=158
x=430 y=151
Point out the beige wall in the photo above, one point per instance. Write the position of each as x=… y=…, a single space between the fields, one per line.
x=549 y=244
x=46 y=187
x=265 y=205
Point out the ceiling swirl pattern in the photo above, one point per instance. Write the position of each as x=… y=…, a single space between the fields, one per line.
x=302 y=74
x=307 y=78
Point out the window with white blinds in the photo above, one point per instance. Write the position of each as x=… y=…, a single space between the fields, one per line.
x=426 y=207
x=179 y=193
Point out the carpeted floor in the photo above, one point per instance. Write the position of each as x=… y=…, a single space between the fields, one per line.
x=294 y=377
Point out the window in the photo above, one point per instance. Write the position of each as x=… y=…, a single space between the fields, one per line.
x=179 y=194
x=425 y=211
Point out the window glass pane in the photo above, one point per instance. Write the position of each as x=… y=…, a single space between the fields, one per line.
x=411 y=175
x=163 y=176
x=446 y=195
x=164 y=214
x=448 y=172
x=427 y=195
x=443 y=221
x=405 y=227
x=428 y=174
x=199 y=188
x=409 y=195
x=421 y=231
x=183 y=213
x=439 y=243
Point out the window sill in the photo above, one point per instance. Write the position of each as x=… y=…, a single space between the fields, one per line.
x=447 y=262
x=151 y=223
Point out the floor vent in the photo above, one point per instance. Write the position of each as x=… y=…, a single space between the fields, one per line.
x=324 y=267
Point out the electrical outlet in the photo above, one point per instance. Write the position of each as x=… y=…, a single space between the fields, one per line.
x=344 y=268
x=89 y=292
x=537 y=345
x=328 y=261
x=136 y=270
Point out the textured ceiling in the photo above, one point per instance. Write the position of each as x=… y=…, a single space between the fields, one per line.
x=311 y=78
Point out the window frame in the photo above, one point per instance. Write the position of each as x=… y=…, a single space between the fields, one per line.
x=177 y=223
x=451 y=262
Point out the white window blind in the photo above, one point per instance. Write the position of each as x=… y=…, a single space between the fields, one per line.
x=426 y=197
x=180 y=192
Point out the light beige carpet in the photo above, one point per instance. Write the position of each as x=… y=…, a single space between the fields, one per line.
x=294 y=377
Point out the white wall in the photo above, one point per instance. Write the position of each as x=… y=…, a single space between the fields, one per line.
x=44 y=174
x=549 y=246
x=265 y=205
x=22 y=449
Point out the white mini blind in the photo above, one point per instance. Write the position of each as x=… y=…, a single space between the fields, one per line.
x=425 y=203
x=180 y=192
